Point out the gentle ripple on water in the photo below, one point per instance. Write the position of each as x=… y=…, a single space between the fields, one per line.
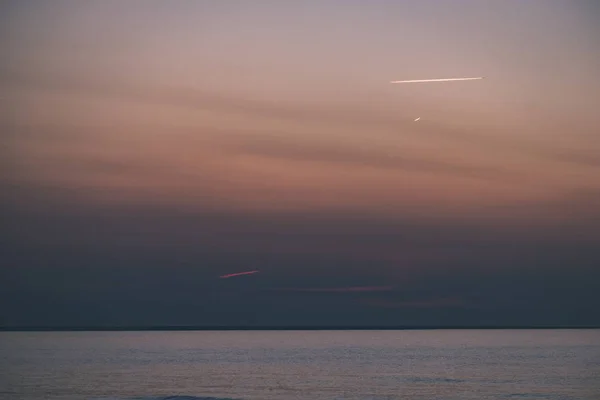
x=352 y=365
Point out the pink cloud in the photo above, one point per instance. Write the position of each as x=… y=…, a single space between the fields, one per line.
x=239 y=274
x=349 y=289
x=434 y=303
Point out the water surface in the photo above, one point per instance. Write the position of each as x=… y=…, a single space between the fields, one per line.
x=431 y=364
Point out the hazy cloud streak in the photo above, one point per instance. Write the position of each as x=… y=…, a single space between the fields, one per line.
x=437 y=80
x=350 y=289
x=238 y=274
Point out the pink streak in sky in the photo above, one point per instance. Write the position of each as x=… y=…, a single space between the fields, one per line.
x=239 y=273
x=341 y=289
x=433 y=303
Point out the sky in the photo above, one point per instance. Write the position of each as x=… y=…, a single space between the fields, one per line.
x=149 y=148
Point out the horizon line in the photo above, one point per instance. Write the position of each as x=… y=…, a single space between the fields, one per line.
x=282 y=328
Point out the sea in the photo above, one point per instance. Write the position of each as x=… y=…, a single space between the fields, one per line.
x=285 y=365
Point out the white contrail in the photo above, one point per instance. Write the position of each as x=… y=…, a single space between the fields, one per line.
x=438 y=80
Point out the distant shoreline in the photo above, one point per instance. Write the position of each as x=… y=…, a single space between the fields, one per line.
x=270 y=328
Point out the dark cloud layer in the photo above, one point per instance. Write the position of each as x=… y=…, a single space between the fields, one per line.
x=156 y=267
x=340 y=154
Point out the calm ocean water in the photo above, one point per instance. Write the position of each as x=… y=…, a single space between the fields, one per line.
x=437 y=364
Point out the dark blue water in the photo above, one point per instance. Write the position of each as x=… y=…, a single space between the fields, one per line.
x=451 y=364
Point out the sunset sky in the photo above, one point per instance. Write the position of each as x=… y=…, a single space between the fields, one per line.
x=149 y=147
